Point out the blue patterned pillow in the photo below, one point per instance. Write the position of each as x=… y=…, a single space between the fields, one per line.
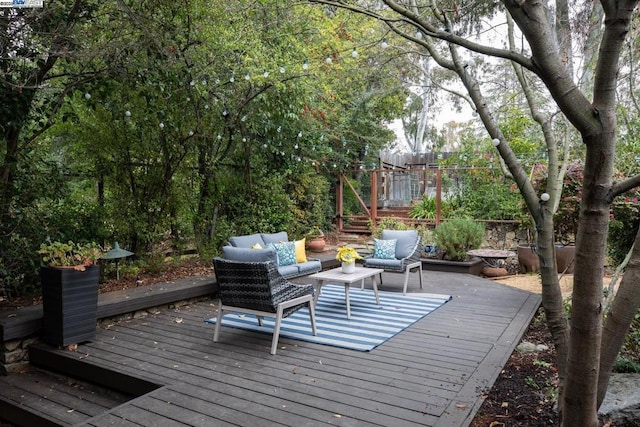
x=286 y=252
x=384 y=249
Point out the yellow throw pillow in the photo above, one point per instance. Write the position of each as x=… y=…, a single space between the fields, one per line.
x=256 y=246
x=301 y=255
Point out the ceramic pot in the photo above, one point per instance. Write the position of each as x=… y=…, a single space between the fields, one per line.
x=564 y=258
x=316 y=245
x=348 y=267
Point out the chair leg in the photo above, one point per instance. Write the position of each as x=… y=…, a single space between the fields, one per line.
x=420 y=273
x=216 y=330
x=312 y=316
x=259 y=320
x=276 y=330
x=406 y=280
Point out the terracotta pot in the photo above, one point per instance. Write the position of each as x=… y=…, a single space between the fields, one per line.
x=494 y=271
x=316 y=245
x=528 y=259
x=564 y=258
x=529 y=262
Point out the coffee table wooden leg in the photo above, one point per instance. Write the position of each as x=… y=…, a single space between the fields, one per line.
x=319 y=284
x=346 y=300
x=374 y=281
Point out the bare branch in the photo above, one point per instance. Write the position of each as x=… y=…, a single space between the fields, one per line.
x=624 y=186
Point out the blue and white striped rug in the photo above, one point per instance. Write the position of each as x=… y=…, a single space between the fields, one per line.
x=370 y=324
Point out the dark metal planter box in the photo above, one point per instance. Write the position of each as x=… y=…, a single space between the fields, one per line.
x=472 y=266
x=69 y=304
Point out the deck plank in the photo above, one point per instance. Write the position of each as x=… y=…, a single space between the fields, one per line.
x=434 y=373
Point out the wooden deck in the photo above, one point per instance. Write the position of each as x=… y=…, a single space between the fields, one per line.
x=432 y=374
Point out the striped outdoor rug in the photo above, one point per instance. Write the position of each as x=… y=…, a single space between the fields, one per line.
x=370 y=324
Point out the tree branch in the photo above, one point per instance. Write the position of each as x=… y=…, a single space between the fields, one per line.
x=624 y=186
x=414 y=20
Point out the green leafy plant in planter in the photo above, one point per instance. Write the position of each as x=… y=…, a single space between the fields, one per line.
x=456 y=237
x=70 y=279
x=79 y=256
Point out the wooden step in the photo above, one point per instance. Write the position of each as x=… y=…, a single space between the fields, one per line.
x=41 y=398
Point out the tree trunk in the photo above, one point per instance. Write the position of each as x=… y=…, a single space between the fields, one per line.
x=580 y=398
x=618 y=320
x=552 y=300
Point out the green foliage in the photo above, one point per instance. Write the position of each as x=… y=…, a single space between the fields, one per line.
x=566 y=217
x=625 y=365
x=263 y=207
x=70 y=254
x=623 y=226
x=426 y=235
x=484 y=194
x=457 y=236
x=426 y=209
x=19 y=262
x=351 y=204
x=312 y=202
x=630 y=352
x=388 y=223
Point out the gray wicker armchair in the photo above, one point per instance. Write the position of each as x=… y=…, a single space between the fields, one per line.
x=405 y=259
x=258 y=288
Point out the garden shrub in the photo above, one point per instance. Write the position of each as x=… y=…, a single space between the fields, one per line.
x=457 y=236
x=389 y=223
x=426 y=208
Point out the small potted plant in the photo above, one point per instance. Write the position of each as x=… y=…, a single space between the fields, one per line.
x=348 y=256
x=315 y=239
x=70 y=278
x=70 y=255
x=430 y=249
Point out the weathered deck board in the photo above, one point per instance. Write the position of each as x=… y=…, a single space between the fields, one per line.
x=431 y=374
x=60 y=400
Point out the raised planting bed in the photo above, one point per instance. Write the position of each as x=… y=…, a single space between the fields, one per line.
x=472 y=266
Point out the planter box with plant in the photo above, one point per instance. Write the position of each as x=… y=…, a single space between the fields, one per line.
x=454 y=238
x=70 y=279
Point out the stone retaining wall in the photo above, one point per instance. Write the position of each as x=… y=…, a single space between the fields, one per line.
x=505 y=235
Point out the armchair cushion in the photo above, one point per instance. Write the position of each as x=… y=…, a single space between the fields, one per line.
x=301 y=267
x=406 y=241
x=246 y=241
x=386 y=264
x=384 y=249
x=274 y=237
x=301 y=254
x=286 y=252
x=249 y=255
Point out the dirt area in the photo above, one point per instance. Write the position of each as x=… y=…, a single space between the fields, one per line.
x=524 y=393
x=531 y=282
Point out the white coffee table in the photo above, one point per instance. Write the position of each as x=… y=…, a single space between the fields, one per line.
x=337 y=276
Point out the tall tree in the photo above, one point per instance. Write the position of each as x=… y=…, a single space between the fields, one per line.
x=595 y=121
